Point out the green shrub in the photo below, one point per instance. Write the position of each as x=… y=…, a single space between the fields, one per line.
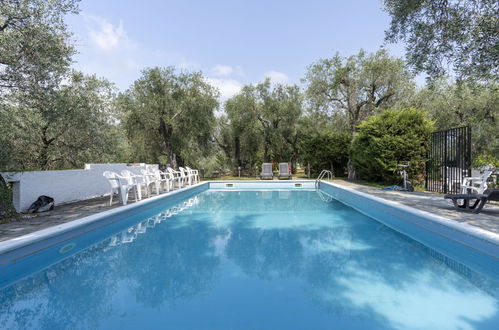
x=388 y=139
x=326 y=151
x=485 y=160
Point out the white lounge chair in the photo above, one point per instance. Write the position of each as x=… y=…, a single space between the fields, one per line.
x=477 y=184
x=119 y=185
x=267 y=171
x=138 y=180
x=284 y=171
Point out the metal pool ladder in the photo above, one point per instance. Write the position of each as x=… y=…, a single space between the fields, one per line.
x=324 y=174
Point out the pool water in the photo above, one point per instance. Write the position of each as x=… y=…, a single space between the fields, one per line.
x=254 y=259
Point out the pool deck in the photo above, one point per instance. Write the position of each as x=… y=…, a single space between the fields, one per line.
x=434 y=203
x=488 y=219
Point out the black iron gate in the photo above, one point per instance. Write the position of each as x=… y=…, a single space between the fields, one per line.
x=449 y=159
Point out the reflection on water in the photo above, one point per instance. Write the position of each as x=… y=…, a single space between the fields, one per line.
x=130 y=234
x=254 y=260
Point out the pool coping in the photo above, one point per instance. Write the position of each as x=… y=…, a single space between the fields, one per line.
x=474 y=237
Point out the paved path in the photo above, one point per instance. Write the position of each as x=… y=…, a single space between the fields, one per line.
x=488 y=219
x=29 y=223
x=434 y=203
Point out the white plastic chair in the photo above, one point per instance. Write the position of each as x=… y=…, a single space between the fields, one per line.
x=119 y=185
x=188 y=176
x=477 y=184
x=137 y=180
x=151 y=180
x=176 y=176
x=194 y=173
x=162 y=177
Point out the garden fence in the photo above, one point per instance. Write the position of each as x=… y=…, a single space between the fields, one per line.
x=449 y=159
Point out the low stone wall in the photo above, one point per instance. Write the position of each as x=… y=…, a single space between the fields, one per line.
x=64 y=186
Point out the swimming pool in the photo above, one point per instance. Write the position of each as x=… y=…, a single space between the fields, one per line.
x=245 y=258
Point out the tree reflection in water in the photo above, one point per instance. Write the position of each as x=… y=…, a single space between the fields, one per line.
x=348 y=267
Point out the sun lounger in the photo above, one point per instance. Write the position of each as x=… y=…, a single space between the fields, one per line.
x=284 y=171
x=473 y=202
x=267 y=171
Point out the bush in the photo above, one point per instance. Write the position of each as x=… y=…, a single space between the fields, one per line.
x=389 y=138
x=326 y=151
x=485 y=160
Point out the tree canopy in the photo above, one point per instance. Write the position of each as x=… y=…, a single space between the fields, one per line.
x=262 y=124
x=439 y=33
x=62 y=128
x=357 y=86
x=35 y=50
x=453 y=104
x=168 y=116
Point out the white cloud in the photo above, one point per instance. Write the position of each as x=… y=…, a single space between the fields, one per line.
x=227 y=87
x=277 y=77
x=222 y=70
x=106 y=36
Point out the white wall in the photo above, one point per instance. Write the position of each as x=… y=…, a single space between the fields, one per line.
x=64 y=186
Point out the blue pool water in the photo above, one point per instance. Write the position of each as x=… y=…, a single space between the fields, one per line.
x=282 y=259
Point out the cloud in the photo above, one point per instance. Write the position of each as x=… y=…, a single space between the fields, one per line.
x=227 y=87
x=188 y=65
x=277 y=77
x=106 y=36
x=222 y=70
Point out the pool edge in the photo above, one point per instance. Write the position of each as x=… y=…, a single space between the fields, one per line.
x=486 y=242
x=43 y=234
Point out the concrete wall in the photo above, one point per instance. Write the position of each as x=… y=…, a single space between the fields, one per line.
x=64 y=186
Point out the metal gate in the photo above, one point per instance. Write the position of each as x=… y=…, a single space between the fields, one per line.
x=449 y=160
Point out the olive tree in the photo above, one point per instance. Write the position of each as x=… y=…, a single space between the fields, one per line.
x=264 y=123
x=168 y=116
x=439 y=33
x=61 y=128
x=35 y=50
x=356 y=87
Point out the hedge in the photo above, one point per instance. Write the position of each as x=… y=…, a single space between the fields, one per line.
x=388 y=139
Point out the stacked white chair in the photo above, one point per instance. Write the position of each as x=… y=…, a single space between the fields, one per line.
x=120 y=185
x=138 y=180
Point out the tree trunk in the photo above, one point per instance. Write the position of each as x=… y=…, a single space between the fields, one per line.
x=166 y=143
x=6 y=208
x=44 y=153
x=266 y=149
x=237 y=145
x=352 y=174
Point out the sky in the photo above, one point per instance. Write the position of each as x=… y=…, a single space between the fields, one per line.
x=232 y=42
